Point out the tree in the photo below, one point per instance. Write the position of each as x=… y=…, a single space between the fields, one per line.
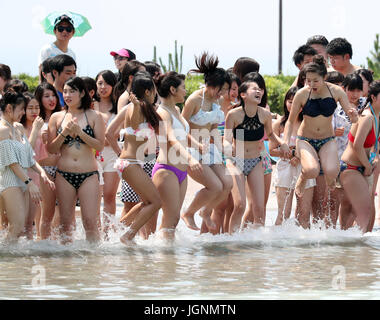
x=175 y=65
x=374 y=61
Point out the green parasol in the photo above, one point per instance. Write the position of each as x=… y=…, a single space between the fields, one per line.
x=81 y=23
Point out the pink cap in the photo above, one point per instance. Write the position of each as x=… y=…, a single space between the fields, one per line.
x=121 y=52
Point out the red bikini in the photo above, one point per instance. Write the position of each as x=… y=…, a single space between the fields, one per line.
x=369 y=141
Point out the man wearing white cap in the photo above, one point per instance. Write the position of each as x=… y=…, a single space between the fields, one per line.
x=121 y=57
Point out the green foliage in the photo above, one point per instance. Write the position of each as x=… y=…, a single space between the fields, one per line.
x=374 y=61
x=32 y=82
x=277 y=86
x=193 y=83
x=173 y=65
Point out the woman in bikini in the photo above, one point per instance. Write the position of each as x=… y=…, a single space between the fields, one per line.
x=359 y=161
x=16 y=156
x=315 y=145
x=203 y=113
x=222 y=213
x=74 y=133
x=170 y=172
x=106 y=106
x=245 y=128
x=48 y=99
x=287 y=171
x=141 y=122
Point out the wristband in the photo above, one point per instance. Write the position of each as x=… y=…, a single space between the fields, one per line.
x=27 y=181
x=62 y=135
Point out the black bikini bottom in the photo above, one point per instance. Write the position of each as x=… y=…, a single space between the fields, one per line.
x=76 y=179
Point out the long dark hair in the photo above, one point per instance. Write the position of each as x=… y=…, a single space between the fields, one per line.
x=129 y=69
x=78 y=84
x=213 y=76
x=110 y=78
x=257 y=78
x=143 y=81
x=289 y=94
x=39 y=93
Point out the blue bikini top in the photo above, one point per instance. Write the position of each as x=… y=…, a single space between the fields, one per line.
x=317 y=107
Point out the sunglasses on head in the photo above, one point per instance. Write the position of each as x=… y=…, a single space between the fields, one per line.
x=68 y=29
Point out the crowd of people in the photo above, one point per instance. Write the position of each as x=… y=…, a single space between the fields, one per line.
x=75 y=140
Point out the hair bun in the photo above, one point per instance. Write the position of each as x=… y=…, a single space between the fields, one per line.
x=319 y=59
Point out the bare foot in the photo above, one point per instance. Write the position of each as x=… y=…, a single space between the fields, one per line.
x=208 y=221
x=300 y=186
x=127 y=238
x=189 y=221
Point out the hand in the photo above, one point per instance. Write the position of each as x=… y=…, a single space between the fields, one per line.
x=339 y=132
x=194 y=165
x=353 y=115
x=286 y=150
x=294 y=161
x=368 y=170
x=34 y=193
x=44 y=136
x=134 y=99
x=47 y=181
x=74 y=127
x=38 y=123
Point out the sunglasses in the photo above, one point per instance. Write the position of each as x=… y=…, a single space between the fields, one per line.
x=120 y=58
x=68 y=29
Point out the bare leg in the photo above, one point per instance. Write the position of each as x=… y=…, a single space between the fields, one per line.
x=48 y=208
x=284 y=203
x=172 y=195
x=318 y=199
x=256 y=192
x=310 y=165
x=213 y=187
x=228 y=213
x=88 y=194
x=111 y=184
x=303 y=208
x=217 y=216
x=151 y=203
x=67 y=196
x=355 y=184
x=16 y=205
x=32 y=213
x=239 y=198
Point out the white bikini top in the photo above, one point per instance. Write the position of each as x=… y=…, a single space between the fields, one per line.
x=144 y=130
x=179 y=129
x=215 y=116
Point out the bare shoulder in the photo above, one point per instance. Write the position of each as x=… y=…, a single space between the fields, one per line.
x=195 y=98
x=335 y=89
x=4 y=133
x=56 y=116
x=303 y=93
x=164 y=114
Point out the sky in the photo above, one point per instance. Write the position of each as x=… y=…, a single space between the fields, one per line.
x=227 y=29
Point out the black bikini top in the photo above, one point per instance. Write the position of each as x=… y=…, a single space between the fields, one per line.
x=252 y=128
x=69 y=139
x=317 y=107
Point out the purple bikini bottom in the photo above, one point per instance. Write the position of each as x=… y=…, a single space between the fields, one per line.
x=181 y=175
